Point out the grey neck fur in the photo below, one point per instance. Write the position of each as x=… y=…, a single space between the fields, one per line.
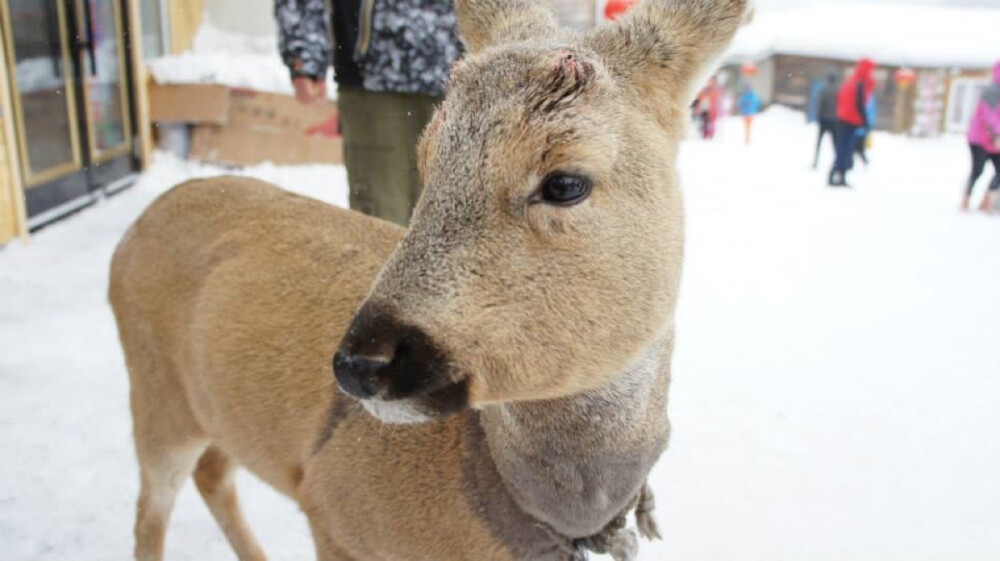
x=575 y=463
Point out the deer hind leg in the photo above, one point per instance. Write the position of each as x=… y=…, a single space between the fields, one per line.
x=168 y=443
x=163 y=471
x=215 y=478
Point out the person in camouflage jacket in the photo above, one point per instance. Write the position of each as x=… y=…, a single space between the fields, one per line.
x=391 y=60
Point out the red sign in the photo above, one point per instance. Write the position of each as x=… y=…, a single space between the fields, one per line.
x=906 y=77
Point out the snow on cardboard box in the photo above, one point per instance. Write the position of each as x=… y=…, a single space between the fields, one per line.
x=239 y=126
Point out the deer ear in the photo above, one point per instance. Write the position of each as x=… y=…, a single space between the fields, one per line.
x=484 y=23
x=666 y=47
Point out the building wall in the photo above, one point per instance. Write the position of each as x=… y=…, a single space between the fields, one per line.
x=248 y=17
x=762 y=82
x=185 y=19
x=795 y=75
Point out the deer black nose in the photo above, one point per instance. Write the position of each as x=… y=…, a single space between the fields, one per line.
x=385 y=360
x=382 y=357
x=358 y=375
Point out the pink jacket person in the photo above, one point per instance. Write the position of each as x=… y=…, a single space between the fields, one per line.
x=985 y=128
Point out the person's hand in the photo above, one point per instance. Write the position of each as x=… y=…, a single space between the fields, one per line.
x=309 y=90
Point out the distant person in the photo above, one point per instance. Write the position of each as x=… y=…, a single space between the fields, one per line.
x=708 y=105
x=984 y=140
x=391 y=59
x=749 y=106
x=864 y=133
x=826 y=113
x=852 y=113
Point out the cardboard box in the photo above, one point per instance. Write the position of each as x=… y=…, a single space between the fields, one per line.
x=222 y=105
x=189 y=103
x=239 y=146
x=238 y=127
x=276 y=112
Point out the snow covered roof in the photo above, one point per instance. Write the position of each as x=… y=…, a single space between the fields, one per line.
x=897 y=34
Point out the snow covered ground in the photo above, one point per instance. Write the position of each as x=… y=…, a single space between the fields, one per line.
x=836 y=377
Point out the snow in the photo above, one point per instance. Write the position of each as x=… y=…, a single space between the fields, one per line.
x=897 y=34
x=835 y=375
x=34 y=74
x=231 y=59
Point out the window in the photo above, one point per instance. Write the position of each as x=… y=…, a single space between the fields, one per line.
x=154 y=34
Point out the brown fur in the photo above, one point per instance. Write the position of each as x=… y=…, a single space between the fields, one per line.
x=552 y=325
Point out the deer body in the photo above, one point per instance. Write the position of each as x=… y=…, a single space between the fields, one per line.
x=503 y=366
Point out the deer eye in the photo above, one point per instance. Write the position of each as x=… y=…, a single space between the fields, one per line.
x=563 y=189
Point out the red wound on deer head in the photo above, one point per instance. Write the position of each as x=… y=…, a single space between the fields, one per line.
x=570 y=65
x=570 y=78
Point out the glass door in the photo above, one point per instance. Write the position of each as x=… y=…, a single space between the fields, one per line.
x=68 y=67
x=104 y=80
x=41 y=76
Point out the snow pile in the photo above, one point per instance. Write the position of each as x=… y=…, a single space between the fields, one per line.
x=229 y=59
x=898 y=34
x=835 y=378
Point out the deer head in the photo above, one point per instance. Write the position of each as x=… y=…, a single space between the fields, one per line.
x=545 y=253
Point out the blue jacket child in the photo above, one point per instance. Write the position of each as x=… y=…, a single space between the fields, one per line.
x=749 y=104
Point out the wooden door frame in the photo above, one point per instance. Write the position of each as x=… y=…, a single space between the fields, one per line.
x=140 y=82
x=15 y=182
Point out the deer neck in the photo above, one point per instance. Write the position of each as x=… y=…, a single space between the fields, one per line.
x=575 y=463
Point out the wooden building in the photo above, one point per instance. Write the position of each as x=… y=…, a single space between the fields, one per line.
x=944 y=52
x=72 y=99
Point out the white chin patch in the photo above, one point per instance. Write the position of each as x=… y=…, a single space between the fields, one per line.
x=400 y=412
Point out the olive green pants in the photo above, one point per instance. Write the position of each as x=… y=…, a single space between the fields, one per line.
x=381 y=130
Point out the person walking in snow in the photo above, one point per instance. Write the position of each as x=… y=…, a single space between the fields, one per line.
x=709 y=103
x=984 y=141
x=852 y=113
x=391 y=60
x=749 y=107
x=827 y=113
x=863 y=134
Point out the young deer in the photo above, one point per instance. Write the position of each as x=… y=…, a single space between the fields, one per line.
x=512 y=349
